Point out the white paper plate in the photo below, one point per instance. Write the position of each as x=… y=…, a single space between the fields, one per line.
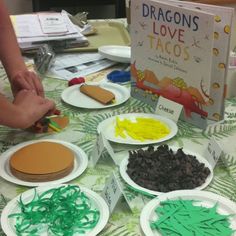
x=107 y=127
x=128 y=180
x=116 y=53
x=207 y=199
x=12 y=207
x=74 y=97
x=80 y=164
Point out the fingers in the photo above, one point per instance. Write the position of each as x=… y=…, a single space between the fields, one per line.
x=30 y=97
x=44 y=102
x=45 y=108
x=31 y=107
x=49 y=105
x=19 y=82
x=35 y=82
x=27 y=80
x=39 y=87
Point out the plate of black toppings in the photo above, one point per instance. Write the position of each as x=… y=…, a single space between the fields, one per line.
x=157 y=170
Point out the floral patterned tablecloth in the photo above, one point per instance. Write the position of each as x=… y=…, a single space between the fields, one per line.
x=82 y=131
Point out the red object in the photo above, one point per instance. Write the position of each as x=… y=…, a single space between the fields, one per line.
x=172 y=92
x=76 y=80
x=57 y=112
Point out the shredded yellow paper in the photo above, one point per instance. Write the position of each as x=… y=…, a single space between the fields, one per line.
x=141 y=129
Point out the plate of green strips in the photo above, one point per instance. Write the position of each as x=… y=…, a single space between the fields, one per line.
x=55 y=210
x=189 y=212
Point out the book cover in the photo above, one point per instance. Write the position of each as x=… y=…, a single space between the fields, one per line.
x=172 y=50
x=220 y=57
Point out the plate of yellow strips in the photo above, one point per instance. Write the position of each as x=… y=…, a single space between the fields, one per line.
x=138 y=128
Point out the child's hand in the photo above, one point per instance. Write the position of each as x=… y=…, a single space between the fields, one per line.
x=28 y=80
x=31 y=107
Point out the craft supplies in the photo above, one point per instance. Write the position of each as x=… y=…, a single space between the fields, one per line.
x=56 y=112
x=119 y=76
x=100 y=94
x=50 y=124
x=188 y=218
x=141 y=129
x=42 y=161
x=164 y=170
x=76 y=80
x=64 y=211
x=54 y=126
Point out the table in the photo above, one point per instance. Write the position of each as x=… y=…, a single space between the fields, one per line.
x=82 y=131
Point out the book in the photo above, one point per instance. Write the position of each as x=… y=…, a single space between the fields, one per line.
x=180 y=50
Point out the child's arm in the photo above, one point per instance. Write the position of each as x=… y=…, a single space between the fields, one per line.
x=12 y=60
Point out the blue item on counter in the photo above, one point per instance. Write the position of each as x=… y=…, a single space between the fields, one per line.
x=119 y=76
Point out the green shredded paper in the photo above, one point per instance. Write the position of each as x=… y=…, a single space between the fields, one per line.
x=62 y=211
x=183 y=218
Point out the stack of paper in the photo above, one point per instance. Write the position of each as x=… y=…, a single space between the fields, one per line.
x=44 y=27
x=70 y=65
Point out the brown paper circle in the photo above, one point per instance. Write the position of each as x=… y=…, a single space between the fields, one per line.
x=42 y=161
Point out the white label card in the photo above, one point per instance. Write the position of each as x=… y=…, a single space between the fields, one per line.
x=213 y=152
x=110 y=150
x=98 y=149
x=100 y=146
x=112 y=192
x=168 y=108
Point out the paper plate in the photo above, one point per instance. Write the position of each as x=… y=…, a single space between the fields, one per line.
x=74 y=97
x=207 y=199
x=80 y=164
x=116 y=53
x=107 y=127
x=128 y=180
x=12 y=207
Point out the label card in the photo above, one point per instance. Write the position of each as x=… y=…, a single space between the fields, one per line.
x=112 y=192
x=213 y=152
x=97 y=150
x=168 y=108
x=110 y=150
x=100 y=146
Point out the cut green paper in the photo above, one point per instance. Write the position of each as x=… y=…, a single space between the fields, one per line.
x=62 y=211
x=185 y=218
